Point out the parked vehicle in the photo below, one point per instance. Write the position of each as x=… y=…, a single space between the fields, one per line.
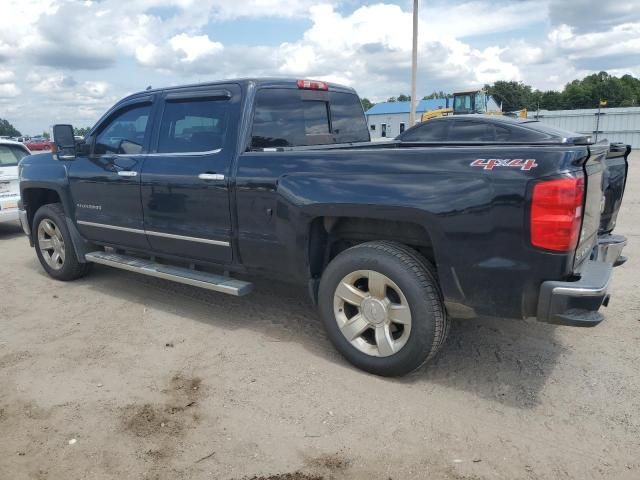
x=10 y=155
x=479 y=128
x=278 y=177
x=38 y=144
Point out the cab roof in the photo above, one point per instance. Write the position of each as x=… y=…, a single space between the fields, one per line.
x=265 y=82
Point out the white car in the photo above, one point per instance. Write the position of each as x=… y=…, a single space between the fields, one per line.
x=10 y=155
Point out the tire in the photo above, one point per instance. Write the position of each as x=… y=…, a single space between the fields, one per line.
x=393 y=319
x=50 y=230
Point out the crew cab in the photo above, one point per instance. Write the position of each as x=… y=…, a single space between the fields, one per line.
x=10 y=155
x=209 y=184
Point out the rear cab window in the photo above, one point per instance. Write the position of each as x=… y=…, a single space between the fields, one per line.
x=290 y=117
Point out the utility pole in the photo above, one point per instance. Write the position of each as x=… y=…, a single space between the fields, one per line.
x=414 y=66
x=601 y=103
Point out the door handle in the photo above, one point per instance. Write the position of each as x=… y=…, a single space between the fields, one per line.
x=127 y=173
x=211 y=176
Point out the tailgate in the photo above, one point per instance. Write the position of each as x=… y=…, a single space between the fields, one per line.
x=594 y=169
x=613 y=183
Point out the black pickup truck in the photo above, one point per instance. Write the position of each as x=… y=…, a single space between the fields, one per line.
x=203 y=184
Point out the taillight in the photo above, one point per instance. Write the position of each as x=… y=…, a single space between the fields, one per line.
x=312 y=85
x=556 y=213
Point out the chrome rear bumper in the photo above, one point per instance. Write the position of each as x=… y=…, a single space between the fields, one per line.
x=577 y=303
x=609 y=249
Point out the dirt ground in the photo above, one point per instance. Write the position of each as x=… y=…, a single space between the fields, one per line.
x=120 y=376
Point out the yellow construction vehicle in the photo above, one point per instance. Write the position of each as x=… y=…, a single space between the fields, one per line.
x=472 y=101
x=440 y=112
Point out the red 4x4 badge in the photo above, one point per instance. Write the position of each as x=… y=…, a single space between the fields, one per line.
x=489 y=164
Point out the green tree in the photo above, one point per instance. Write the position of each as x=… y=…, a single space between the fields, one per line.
x=578 y=95
x=6 y=129
x=46 y=135
x=549 y=100
x=82 y=131
x=400 y=98
x=512 y=95
x=435 y=94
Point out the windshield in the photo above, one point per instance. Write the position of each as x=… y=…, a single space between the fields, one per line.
x=462 y=103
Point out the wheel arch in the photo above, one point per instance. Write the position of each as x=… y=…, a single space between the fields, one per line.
x=34 y=197
x=328 y=235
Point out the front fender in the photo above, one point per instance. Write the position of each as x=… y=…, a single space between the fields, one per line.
x=43 y=172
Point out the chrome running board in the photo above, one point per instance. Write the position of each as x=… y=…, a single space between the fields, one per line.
x=210 y=281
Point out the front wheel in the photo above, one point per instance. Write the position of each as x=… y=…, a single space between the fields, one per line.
x=382 y=307
x=54 y=246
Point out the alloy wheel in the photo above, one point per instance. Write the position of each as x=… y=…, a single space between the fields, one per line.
x=51 y=244
x=372 y=313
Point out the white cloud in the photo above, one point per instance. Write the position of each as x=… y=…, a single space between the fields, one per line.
x=9 y=90
x=482 y=17
x=589 y=16
x=6 y=76
x=64 y=58
x=192 y=48
x=371 y=50
x=619 y=40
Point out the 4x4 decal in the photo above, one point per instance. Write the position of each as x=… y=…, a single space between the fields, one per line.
x=489 y=164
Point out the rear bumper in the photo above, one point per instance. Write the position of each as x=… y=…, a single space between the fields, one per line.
x=578 y=303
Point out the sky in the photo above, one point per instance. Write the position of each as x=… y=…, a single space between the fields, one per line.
x=67 y=61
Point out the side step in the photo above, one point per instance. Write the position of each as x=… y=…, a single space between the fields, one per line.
x=210 y=281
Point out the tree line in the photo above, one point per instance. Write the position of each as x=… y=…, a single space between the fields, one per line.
x=8 y=130
x=586 y=93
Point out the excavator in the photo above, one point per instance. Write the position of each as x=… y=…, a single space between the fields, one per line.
x=473 y=101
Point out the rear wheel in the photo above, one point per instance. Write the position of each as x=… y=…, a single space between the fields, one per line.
x=53 y=244
x=382 y=307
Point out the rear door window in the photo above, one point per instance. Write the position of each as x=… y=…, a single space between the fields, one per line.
x=193 y=125
x=10 y=155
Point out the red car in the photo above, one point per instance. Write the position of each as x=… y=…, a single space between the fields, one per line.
x=36 y=144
